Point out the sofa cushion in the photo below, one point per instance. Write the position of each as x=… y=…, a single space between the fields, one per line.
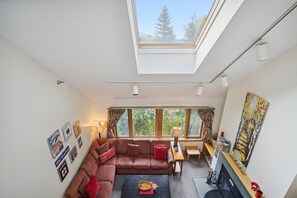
x=112 y=142
x=107 y=155
x=122 y=145
x=89 y=165
x=133 y=149
x=95 y=155
x=142 y=162
x=159 y=142
x=93 y=151
x=158 y=164
x=102 y=140
x=160 y=152
x=144 y=146
x=83 y=186
x=73 y=188
x=111 y=161
x=92 y=187
x=106 y=173
x=124 y=161
x=105 y=189
x=103 y=148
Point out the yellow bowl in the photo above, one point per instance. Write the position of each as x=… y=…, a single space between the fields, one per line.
x=145 y=185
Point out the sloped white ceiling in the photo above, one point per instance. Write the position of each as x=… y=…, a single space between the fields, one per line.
x=89 y=43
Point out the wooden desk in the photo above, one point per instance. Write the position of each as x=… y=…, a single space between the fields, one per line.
x=178 y=157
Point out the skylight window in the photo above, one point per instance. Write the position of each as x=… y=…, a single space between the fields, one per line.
x=171 y=22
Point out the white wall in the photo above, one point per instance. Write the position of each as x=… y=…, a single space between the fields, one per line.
x=273 y=163
x=32 y=107
x=100 y=105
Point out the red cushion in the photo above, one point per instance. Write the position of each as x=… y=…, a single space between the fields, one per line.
x=160 y=152
x=92 y=187
x=107 y=155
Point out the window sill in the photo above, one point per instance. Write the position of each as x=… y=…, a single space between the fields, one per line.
x=180 y=139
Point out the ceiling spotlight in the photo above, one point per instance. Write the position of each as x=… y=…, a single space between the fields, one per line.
x=200 y=90
x=224 y=80
x=135 y=90
x=262 y=50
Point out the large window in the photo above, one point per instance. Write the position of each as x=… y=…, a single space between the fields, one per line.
x=161 y=22
x=158 y=122
x=173 y=118
x=144 y=122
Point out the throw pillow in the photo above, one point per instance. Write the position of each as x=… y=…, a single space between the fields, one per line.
x=103 y=148
x=92 y=187
x=107 y=155
x=133 y=149
x=160 y=152
x=82 y=187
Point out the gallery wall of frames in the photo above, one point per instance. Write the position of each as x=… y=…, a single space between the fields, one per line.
x=60 y=148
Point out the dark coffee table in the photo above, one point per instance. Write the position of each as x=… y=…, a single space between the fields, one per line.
x=130 y=186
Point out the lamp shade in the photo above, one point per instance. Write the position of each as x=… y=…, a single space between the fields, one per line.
x=176 y=131
x=98 y=126
x=262 y=51
x=200 y=90
x=224 y=80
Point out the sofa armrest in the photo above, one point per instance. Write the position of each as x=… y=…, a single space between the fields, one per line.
x=170 y=157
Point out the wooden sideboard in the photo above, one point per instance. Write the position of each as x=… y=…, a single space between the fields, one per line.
x=208 y=151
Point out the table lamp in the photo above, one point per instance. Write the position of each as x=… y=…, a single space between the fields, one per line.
x=175 y=132
x=98 y=127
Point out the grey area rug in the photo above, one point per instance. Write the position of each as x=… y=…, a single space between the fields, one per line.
x=201 y=186
x=180 y=187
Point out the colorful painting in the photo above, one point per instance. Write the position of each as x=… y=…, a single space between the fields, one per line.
x=251 y=121
x=55 y=143
x=67 y=132
x=63 y=170
x=73 y=154
x=79 y=141
x=77 y=129
x=61 y=157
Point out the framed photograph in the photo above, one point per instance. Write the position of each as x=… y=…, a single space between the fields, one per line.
x=67 y=131
x=55 y=143
x=73 y=154
x=61 y=157
x=79 y=141
x=77 y=129
x=63 y=170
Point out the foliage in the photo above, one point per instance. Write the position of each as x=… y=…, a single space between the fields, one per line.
x=193 y=28
x=143 y=122
x=147 y=38
x=122 y=126
x=163 y=28
x=173 y=118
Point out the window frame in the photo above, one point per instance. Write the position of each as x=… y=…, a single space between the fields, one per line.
x=193 y=45
x=159 y=122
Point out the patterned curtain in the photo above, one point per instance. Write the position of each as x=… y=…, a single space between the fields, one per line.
x=113 y=117
x=206 y=114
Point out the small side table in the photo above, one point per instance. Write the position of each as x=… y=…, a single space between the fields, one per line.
x=178 y=157
x=192 y=150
